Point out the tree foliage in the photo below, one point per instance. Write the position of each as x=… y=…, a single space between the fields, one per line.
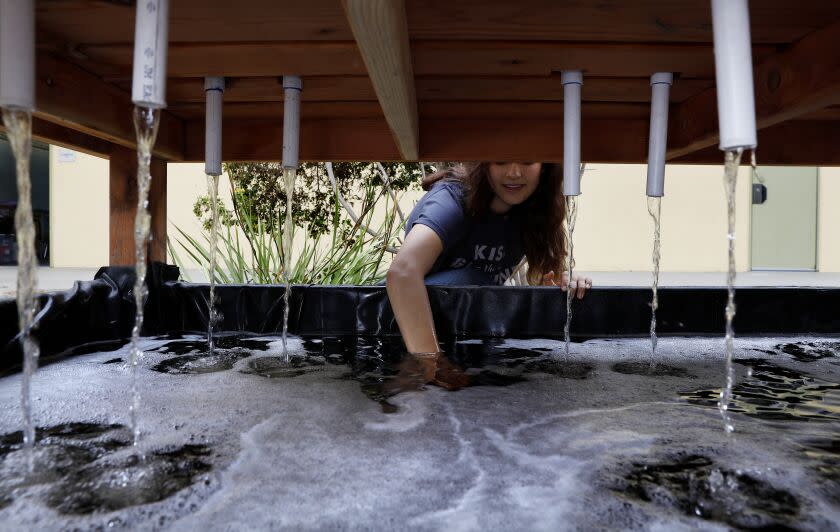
x=258 y=188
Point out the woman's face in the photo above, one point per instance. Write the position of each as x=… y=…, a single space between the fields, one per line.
x=512 y=184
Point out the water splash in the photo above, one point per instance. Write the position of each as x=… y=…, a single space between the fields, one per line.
x=730 y=180
x=19 y=126
x=146 y=121
x=212 y=313
x=654 y=204
x=289 y=175
x=571 y=216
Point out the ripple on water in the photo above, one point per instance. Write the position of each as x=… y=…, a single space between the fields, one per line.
x=695 y=486
x=114 y=483
x=775 y=393
x=191 y=356
x=810 y=351
x=283 y=368
x=79 y=465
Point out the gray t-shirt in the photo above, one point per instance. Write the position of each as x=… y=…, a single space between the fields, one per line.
x=491 y=243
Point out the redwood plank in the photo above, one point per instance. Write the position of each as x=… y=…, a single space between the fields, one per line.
x=472 y=139
x=773 y=21
x=797 y=81
x=52 y=133
x=270 y=89
x=429 y=58
x=815 y=144
x=268 y=58
x=359 y=88
x=70 y=97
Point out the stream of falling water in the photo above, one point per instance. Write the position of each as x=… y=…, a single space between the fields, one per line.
x=654 y=204
x=289 y=175
x=730 y=179
x=19 y=126
x=146 y=121
x=212 y=314
x=571 y=216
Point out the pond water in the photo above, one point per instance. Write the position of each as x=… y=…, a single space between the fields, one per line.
x=343 y=435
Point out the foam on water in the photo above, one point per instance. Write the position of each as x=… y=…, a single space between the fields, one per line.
x=546 y=452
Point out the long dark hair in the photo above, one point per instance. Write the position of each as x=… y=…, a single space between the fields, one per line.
x=544 y=212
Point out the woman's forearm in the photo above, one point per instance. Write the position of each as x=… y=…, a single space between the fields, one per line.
x=410 y=303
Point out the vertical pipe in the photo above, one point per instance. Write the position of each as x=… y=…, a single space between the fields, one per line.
x=572 y=81
x=733 y=71
x=151 y=35
x=658 y=139
x=17 y=54
x=292 y=87
x=214 y=88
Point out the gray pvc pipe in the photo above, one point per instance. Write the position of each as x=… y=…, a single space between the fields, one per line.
x=151 y=36
x=17 y=54
x=733 y=73
x=572 y=81
x=660 y=84
x=214 y=89
x=292 y=87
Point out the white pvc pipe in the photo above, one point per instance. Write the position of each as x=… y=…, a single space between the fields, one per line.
x=572 y=81
x=214 y=88
x=733 y=70
x=292 y=87
x=17 y=54
x=151 y=36
x=660 y=84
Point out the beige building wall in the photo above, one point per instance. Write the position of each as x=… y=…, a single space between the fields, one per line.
x=79 y=214
x=614 y=231
x=185 y=182
x=828 y=220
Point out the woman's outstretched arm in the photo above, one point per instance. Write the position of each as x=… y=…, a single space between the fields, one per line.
x=407 y=291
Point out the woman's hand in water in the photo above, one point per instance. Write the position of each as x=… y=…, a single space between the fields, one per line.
x=419 y=369
x=579 y=284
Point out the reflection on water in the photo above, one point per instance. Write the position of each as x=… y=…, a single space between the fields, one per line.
x=776 y=393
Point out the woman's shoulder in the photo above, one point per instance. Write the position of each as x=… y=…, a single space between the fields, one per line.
x=450 y=186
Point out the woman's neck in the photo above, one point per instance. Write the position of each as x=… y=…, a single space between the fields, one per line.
x=497 y=206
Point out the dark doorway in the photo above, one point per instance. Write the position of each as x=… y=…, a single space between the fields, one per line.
x=40 y=172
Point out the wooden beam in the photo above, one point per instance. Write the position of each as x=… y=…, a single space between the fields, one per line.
x=538 y=139
x=522 y=58
x=123 y=207
x=487 y=109
x=270 y=89
x=68 y=138
x=796 y=142
x=792 y=83
x=429 y=58
x=381 y=31
x=773 y=21
x=320 y=140
x=75 y=99
x=241 y=59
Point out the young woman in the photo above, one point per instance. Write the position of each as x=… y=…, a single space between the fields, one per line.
x=474 y=226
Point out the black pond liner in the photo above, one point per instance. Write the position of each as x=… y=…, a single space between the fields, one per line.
x=103 y=310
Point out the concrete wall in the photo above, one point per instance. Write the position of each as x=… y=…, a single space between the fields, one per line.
x=79 y=215
x=828 y=220
x=614 y=231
